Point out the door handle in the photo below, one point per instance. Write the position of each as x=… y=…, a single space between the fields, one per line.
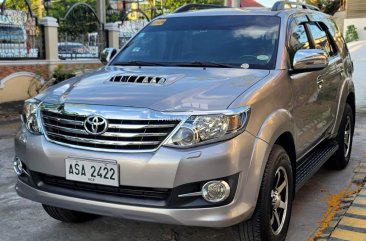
x=320 y=81
x=341 y=72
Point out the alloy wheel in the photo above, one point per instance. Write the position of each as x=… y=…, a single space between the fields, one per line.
x=279 y=196
x=347 y=136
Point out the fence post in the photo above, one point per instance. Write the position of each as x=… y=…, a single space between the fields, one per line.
x=113 y=35
x=50 y=26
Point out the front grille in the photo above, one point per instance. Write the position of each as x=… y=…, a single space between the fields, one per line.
x=121 y=135
x=160 y=194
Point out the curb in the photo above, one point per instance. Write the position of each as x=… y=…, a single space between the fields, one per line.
x=358 y=183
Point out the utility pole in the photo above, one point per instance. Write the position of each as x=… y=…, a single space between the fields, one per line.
x=101 y=11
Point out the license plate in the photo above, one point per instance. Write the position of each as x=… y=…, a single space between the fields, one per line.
x=92 y=171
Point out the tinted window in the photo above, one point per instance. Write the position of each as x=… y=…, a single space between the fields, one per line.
x=320 y=38
x=234 y=40
x=299 y=39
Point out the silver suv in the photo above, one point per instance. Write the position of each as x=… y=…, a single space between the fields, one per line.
x=208 y=118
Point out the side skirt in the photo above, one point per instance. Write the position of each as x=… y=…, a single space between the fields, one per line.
x=311 y=163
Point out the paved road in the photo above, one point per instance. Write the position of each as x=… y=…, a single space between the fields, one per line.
x=24 y=220
x=358 y=53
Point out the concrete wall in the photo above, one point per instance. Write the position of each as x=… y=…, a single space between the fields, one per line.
x=20 y=80
x=21 y=86
x=356 y=8
x=339 y=19
x=360 y=24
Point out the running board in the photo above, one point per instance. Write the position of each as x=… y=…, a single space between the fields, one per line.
x=314 y=161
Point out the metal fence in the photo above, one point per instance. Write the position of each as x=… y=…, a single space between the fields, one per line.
x=81 y=34
x=81 y=46
x=132 y=23
x=21 y=37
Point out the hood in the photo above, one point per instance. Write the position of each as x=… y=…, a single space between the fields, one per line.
x=184 y=89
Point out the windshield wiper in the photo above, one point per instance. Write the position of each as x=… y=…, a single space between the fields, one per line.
x=139 y=63
x=205 y=64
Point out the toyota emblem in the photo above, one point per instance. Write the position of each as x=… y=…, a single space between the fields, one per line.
x=95 y=125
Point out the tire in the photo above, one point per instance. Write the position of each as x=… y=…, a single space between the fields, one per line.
x=68 y=216
x=263 y=226
x=341 y=158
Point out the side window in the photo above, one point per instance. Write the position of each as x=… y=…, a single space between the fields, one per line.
x=320 y=38
x=298 y=39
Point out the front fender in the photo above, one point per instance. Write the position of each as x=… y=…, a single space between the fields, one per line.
x=277 y=123
x=273 y=127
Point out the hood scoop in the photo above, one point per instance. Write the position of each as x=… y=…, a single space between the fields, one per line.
x=138 y=79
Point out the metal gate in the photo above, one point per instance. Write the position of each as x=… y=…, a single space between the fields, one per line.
x=21 y=37
x=81 y=35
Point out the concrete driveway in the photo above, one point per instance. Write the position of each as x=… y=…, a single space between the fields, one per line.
x=358 y=53
x=23 y=220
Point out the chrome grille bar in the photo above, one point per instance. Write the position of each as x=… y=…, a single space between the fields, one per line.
x=71 y=130
x=130 y=135
x=65 y=121
x=104 y=142
x=129 y=126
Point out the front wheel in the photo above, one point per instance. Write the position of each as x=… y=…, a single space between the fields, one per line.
x=271 y=217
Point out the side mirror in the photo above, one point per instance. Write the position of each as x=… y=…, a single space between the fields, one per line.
x=309 y=60
x=107 y=54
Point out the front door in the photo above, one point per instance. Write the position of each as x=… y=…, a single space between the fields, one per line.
x=313 y=97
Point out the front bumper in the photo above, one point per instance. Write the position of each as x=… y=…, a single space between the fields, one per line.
x=210 y=217
x=165 y=168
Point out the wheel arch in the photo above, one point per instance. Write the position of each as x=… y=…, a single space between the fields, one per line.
x=286 y=141
x=278 y=128
x=351 y=100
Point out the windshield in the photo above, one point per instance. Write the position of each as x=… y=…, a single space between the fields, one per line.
x=211 y=41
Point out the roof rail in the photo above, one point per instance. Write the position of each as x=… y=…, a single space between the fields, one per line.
x=196 y=6
x=282 y=5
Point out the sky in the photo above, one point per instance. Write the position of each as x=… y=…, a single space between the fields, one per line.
x=267 y=3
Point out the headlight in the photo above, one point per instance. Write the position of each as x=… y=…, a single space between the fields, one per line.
x=30 y=116
x=209 y=128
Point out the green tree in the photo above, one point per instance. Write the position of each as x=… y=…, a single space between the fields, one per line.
x=327 y=6
x=21 y=5
x=80 y=20
x=351 y=34
x=171 y=5
x=60 y=7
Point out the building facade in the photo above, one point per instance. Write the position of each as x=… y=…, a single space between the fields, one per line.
x=356 y=15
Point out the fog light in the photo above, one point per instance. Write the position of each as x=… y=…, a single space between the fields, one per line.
x=215 y=191
x=18 y=166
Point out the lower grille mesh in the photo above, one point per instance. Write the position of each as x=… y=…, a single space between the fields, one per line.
x=125 y=191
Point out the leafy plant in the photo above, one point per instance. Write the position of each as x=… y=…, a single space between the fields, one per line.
x=35 y=85
x=327 y=6
x=351 y=33
x=62 y=73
